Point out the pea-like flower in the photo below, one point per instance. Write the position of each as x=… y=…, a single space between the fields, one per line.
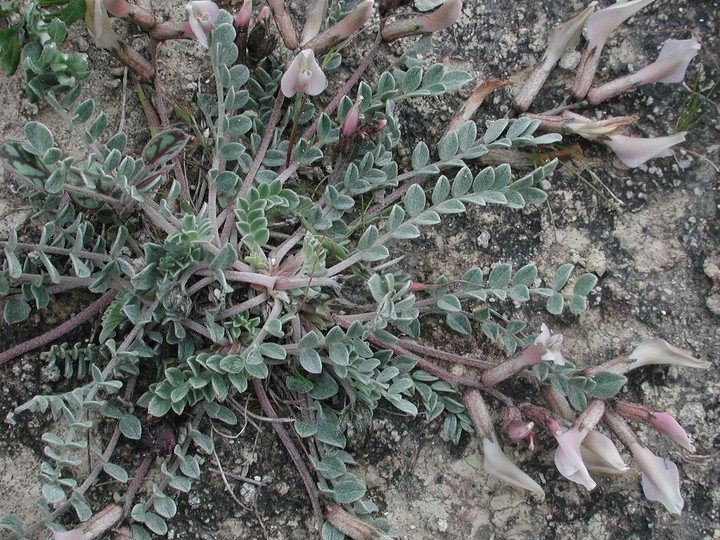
x=496 y=463
x=551 y=344
x=670 y=67
x=660 y=478
x=634 y=151
x=202 y=15
x=600 y=455
x=303 y=75
x=99 y=25
x=659 y=351
x=598 y=28
x=568 y=457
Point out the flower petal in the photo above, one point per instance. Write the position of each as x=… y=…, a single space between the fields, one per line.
x=634 y=151
x=660 y=478
x=497 y=464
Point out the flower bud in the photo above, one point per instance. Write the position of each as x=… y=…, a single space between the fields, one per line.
x=667 y=425
x=354 y=21
x=314 y=18
x=243 y=17
x=352 y=120
x=442 y=17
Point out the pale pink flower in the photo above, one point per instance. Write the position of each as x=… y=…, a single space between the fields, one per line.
x=598 y=28
x=660 y=478
x=303 y=75
x=603 y=22
x=600 y=455
x=442 y=17
x=670 y=67
x=668 y=426
x=497 y=464
x=568 y=458
x=634 y=151
x=202 y=15
x=551 y=344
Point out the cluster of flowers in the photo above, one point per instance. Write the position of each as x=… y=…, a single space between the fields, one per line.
x=581 y=448
x=670 y=67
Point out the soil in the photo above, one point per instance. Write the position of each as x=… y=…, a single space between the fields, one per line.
x=655 y=249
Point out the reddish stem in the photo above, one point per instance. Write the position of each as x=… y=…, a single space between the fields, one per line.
x=61 y=330
x=292 y=450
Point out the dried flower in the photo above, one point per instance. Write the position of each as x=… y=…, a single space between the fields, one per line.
x=202 y=15
x=598 y=28
x=497 y=464
x=551 y=345
x=303 y=75
x=669 y=67
x=600 y=455
x=634 y=151
x=659 y=351
x=561 y=38
x=98 y=24
x=660 y=478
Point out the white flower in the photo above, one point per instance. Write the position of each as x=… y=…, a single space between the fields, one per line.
x=202 y=15
x=568 y=458
x=303 y=75
x=600 y=455
x=660 y=478
x=659 y=351
x=551 y=343
x=497 y=464
x=99 y=25
x=315 y=17
x=634 y=151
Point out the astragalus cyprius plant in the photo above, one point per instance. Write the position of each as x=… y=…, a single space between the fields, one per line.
x=236 y=284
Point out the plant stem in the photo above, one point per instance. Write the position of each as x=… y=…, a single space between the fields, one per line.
x=61 y=330
x=289 y=445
